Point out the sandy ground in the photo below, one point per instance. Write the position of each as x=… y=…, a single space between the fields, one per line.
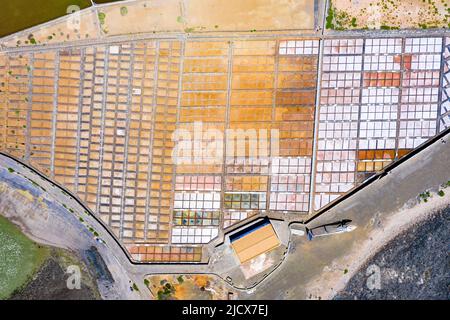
x=238 y=15
x=332 y=281
x=208 y=16
x=396 y=13
x=168 y=16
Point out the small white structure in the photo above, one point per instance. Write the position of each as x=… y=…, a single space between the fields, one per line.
x=114 y=50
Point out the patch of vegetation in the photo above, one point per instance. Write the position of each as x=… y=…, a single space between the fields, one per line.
x=146 y=282
x=123 y=11
x=135 y=287
x=383 y=27
x=21 y=258
x=429 y=16
x=424 y=196
x=339 y=20
x=34 y=183
x=330 y=17
x=441 y=193
x=101 y=17
x=31 y=39
x=189 y=30
x=166 y=292
x=180 y=279
x=11 y=170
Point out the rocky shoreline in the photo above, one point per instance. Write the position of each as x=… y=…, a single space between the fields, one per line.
x=414 y=265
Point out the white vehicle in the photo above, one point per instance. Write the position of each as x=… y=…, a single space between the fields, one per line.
x=99 y=240
x=332 y=228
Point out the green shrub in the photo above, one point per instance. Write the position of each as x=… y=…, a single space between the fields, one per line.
x=101 y=17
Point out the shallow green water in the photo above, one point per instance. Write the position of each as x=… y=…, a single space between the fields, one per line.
x=19 y=258
x=21 y=14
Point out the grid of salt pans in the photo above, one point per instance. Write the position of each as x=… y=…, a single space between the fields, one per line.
x=193 y=235
x=335 y=174
x=383 y=46
x=375 y=95
x=338 y=127
x=259 y=165
x=338 y=119
x=377 y=129
x=197 y=200
x=378 y=126
x=232 y=217
x=381 y=63
x=445 y=96
x=423 y=45
x=245 y=200
x=343 y=46
x=426 y=61
x=198 y=183
x=420 y=92
x=299 y=47
x=342 y=63
x=290 y=179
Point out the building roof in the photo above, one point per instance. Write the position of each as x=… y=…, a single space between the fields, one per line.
x=254 y=240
